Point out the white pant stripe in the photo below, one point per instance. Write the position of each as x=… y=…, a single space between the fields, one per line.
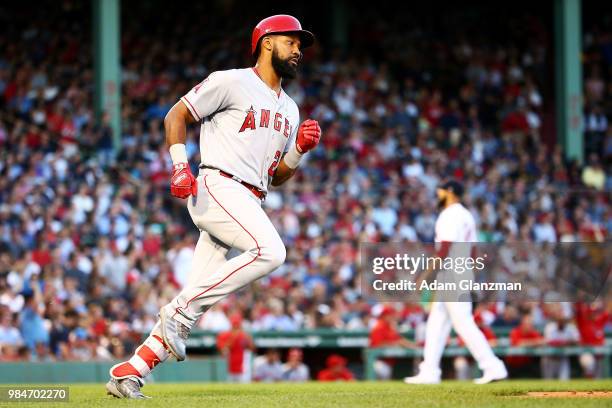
x=140 y=365
x=156 y=346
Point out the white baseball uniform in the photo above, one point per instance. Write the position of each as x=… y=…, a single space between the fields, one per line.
x=245 y=128
x=455 y=224
x=245 y=123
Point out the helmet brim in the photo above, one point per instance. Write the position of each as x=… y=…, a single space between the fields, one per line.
x=307 y=38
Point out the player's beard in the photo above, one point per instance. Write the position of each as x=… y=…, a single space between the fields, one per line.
x=442 y=203
x=282 y=66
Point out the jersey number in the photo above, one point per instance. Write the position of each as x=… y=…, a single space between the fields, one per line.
x=274 y=164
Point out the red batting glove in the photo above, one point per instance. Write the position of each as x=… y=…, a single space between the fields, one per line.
x=182 y=183
x=308 y=135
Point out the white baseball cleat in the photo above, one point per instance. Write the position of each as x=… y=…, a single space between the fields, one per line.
x=493 y=374
x=175 y=335
x=125 y=388
x=422 y=379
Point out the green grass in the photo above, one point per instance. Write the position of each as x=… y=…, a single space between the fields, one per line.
x=356 y=394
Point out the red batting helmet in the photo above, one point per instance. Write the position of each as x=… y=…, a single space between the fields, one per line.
x=278 y=24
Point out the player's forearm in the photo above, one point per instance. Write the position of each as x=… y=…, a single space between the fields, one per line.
x=307 y=139
x=175 y=124
x=432 y=270
x=283 y=173
x=289 y=163
x=425 y=275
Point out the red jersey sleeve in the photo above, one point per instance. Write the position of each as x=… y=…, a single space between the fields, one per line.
x=222 y=340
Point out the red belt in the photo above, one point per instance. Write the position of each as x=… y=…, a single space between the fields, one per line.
x=258 y=192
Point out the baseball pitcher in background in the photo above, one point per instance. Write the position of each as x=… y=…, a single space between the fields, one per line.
x=455 y=237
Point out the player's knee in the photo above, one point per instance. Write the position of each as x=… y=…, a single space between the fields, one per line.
x=464 y=327
x=274 y=253
x=279 y=254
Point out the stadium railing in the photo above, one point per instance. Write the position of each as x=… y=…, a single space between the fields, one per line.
x=371 y=354
x=315 y=338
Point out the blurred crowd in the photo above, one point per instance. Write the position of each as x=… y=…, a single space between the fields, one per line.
x=92 y=243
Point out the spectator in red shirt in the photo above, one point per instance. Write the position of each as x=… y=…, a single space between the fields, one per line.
x=524 y=335
x=463 y=364
x=385 y=334
x=42 y=254
x=591 y=320
x=336 y=370
x=99 y=325
x=412 y=314
x=515 y=122
x=233 y=344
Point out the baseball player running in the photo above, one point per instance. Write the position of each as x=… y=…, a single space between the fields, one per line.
x=455 y=224
x=250 y=137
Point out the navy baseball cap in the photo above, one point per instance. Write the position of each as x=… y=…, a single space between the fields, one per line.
x=453 y=186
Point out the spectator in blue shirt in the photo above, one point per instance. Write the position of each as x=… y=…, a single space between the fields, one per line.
x=33 y=327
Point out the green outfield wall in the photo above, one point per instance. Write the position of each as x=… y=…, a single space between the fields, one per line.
x=64 y=372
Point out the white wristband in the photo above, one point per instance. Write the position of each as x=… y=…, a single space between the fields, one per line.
x=293 y=157
x=178 y=153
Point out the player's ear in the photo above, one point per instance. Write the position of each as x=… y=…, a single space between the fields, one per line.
x=266 y=43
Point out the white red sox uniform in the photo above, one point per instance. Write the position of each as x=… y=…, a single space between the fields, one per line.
x=245 y=128
x=455 y=224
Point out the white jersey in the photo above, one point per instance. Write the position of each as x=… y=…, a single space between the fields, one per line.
x=456 y=224
x=246 y=125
